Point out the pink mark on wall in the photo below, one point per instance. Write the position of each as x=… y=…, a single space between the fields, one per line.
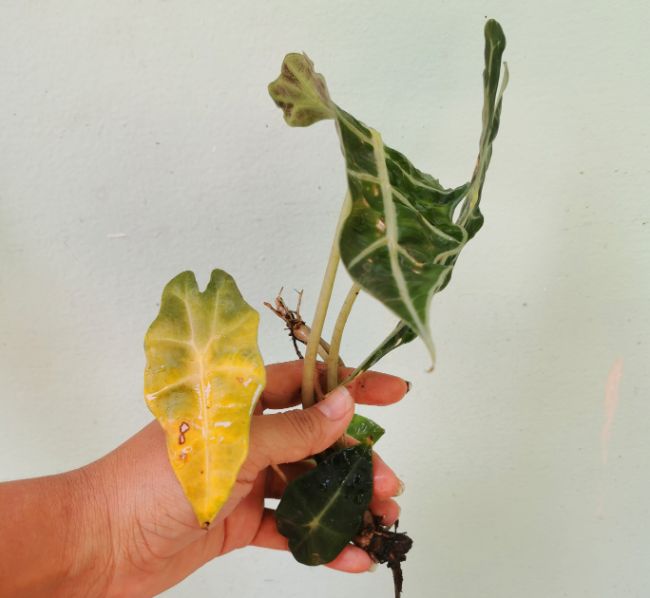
x=611 y=405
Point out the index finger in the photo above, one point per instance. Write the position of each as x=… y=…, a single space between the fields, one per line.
x=284 y=380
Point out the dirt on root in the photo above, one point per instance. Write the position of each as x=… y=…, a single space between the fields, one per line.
x=384 y=546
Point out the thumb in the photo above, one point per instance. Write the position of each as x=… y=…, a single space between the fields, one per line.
x=298 y=434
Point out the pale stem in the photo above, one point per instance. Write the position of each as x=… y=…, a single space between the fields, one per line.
x=324 y=297
x=337 y=335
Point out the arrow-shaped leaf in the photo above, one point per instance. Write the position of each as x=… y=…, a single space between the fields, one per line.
x=202 y=378
x=400 y=240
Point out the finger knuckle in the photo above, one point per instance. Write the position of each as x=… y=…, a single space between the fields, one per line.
x=305 y=428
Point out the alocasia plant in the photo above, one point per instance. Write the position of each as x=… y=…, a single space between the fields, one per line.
x=399 y=236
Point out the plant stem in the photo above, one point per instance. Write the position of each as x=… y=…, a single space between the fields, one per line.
x=324 y=297
x=337 y=335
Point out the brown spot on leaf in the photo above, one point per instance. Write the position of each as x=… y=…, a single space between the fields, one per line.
x=184 y=427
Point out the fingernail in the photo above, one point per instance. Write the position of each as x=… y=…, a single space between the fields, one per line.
x=336 y=404
x=400 y=489
x=408 y=386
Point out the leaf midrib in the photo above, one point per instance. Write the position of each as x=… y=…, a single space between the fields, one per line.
x=391 y=225
x=315 y=522
x=202 y=398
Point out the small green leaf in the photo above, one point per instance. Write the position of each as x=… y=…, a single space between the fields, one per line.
x=400 y=335
x=322 y=510
x=364 y=430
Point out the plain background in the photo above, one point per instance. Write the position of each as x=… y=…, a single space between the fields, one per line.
x=138 y=140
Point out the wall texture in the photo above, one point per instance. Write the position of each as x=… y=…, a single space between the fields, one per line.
x=138 y=140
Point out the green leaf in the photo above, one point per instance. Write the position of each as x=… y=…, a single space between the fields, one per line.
x=495 y=43
x=400 y=335
x=322 y=510
x=202 y=378
x=364 y=430
x=301 y=93
x=401 y=239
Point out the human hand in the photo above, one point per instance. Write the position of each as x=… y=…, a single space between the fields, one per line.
x=154 y=538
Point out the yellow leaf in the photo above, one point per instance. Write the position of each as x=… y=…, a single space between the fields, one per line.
x=203 y=376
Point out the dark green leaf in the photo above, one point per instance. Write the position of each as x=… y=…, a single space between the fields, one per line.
x=495 y=43
x=401 y=239
x=321 y=511
x=364 y=430
x=400 y=335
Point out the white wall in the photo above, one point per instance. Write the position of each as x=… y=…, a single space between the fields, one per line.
x=138 y=140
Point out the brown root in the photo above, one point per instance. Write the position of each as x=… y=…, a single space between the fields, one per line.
x=298 y=330
x=385 y=546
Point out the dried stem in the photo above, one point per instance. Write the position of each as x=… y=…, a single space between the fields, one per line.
x=337 y=335
x=298 y=330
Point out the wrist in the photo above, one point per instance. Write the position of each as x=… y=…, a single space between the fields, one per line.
x=51 y=538
x=91 y=561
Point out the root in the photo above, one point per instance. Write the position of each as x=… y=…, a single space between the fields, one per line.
x=298 y=330
x=384 y=546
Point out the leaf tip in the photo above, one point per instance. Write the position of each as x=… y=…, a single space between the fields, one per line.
x=428 y=341
x=494 y=33
x=183 y=280
x=301 y=92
